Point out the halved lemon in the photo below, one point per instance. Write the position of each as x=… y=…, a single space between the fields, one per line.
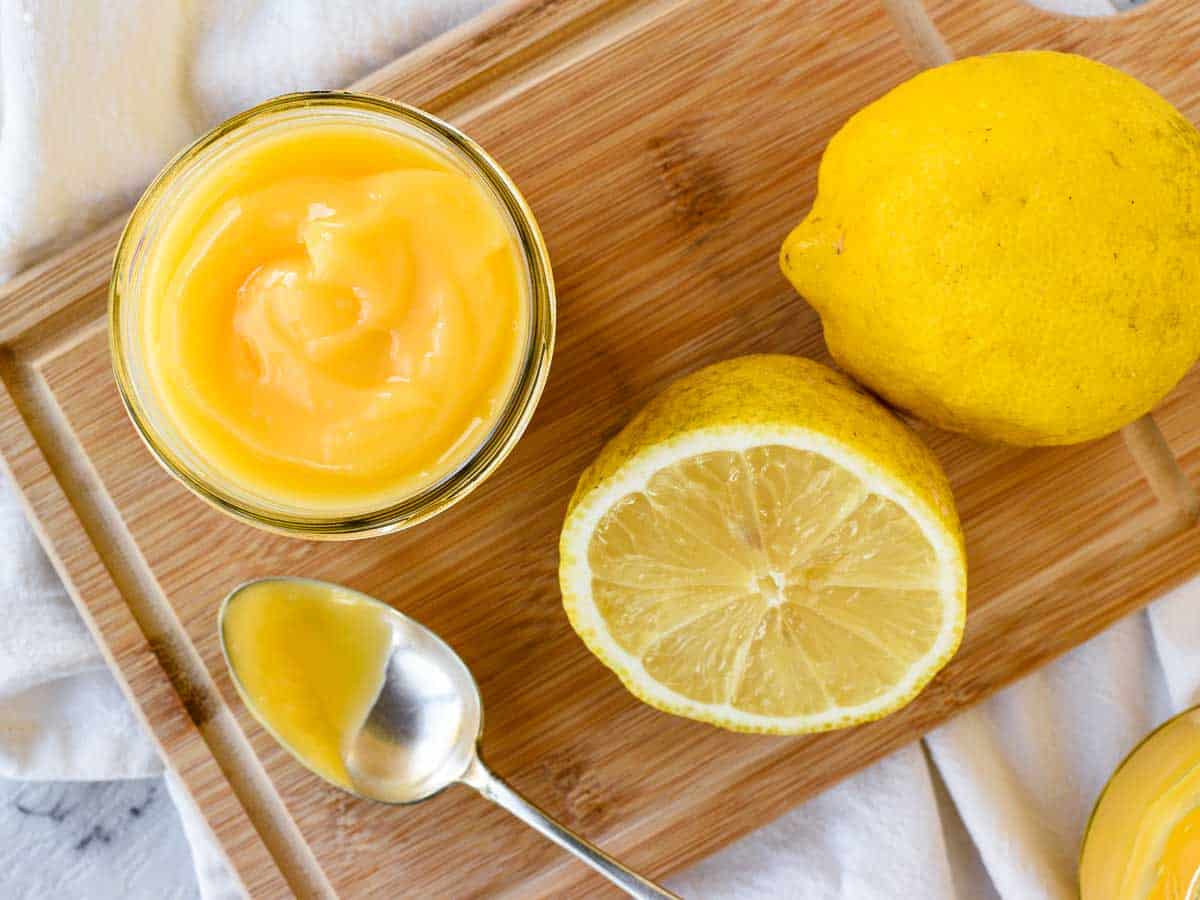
x=766 y=548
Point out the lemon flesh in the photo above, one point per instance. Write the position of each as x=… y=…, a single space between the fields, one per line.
x=760 y=574
x=1009 y=246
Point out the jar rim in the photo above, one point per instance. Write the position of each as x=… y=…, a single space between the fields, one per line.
x=523 y=395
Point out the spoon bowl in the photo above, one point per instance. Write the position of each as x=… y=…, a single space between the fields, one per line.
x=421 y=733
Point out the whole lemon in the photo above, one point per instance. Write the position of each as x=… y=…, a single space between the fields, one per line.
x=1009 y=246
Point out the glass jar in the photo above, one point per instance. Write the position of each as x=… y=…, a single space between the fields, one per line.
x=127 y=302
x=1143 y=839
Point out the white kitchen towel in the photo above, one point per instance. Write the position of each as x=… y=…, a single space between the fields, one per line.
x=97 y=95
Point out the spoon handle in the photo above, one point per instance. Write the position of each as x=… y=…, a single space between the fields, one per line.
x=495 y=789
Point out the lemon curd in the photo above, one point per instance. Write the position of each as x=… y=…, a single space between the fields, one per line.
x=309 y=659
x=1143 y=842
x=336 y=315
x=333 y=314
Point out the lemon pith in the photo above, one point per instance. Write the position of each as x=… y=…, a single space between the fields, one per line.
x=1009 y=246
x=765 y=548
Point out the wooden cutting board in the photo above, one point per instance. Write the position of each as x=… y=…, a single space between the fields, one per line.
x=666 y=146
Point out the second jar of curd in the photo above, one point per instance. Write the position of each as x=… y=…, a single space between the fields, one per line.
x=332 y=316
x=1143 y=840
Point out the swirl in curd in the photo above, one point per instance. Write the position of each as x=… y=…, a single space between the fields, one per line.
x=336 y=315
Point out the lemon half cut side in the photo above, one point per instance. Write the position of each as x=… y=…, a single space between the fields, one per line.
x=765 y=548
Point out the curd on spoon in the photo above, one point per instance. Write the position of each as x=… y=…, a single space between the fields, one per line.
x=309 y=658
x=374 y=702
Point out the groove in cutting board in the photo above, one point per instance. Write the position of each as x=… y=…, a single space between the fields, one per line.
x=921 y=38
x=666 y=147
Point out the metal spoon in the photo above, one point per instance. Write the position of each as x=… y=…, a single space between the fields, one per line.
x=423 y=732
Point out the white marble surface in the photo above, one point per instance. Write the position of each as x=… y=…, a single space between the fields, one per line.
x=100 y=840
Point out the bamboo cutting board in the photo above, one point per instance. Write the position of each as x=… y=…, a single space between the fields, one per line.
x=666 y=146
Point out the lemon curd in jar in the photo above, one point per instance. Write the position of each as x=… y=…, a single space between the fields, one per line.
x=332 y=315
x=335 y=315
x=1143 y=842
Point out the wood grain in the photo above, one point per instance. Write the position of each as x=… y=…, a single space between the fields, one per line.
x=666 y=147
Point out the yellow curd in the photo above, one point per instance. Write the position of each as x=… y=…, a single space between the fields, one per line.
x=309 y=659
x=332 y=315
x=1143 y=842
x=335 y=315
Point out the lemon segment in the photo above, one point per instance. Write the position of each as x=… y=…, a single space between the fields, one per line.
x=761 y=572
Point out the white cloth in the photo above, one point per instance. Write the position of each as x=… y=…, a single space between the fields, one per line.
x=96 y=96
